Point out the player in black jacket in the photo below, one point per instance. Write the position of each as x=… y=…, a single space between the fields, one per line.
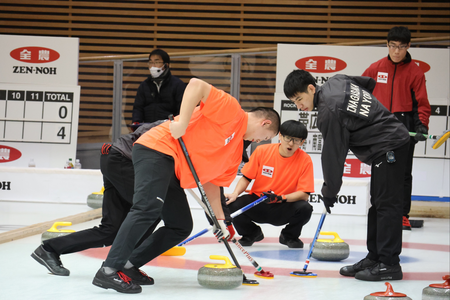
x=351 y=118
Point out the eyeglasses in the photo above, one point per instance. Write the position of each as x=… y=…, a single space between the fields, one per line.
x=156 y=63
x=288 y=139
x=399 y=47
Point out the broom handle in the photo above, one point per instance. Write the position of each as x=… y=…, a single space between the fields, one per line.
x=319 y=227
x=233 y=215
x=204 y=198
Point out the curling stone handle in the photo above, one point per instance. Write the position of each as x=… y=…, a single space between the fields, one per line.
x=336 y=239
x=99 y=192
x=56 y=224
x=227 y=264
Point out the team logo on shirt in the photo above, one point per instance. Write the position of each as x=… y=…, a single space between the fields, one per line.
x=228 y=139
x=382 y=77
x=267 y=171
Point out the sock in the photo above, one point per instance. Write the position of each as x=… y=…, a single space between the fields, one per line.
x=128 y=265
x=109 y=271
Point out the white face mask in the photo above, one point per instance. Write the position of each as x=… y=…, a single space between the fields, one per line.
x=156 y=72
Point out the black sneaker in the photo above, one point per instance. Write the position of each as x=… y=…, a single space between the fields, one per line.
x=381 y=272
x=416 y=223
x=247 y=241
x=117 y=281
x=138 y=276
x=359 y=266
x=291 y=243
x=50 y=260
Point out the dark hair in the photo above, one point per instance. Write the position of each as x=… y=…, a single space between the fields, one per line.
x=399 y=34
x=269 y=114
x=165 y=57
x=294 y=128
x=297 y=82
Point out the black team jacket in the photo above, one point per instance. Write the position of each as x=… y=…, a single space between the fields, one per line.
x=351 y=118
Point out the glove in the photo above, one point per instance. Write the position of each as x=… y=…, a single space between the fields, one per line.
x=420 y=130
x=273 y=198
x=329 y=202
x=135 y=126
x=222 y=232
x=230 y=229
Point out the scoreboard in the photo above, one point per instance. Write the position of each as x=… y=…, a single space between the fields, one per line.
x=37 y=115
x=39 y=100
x=40 y=121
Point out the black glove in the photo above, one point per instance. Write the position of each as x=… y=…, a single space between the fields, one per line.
x=329 y=202
x=420 y=131
x=273 y=198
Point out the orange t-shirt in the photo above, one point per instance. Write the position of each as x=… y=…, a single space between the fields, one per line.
x=213 y=138
x=282 y=175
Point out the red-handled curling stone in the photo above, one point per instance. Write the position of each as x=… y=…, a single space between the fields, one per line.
x=437 y=291
x=388 y=295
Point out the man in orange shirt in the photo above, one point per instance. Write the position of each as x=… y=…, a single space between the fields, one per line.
x=287 y=172
x=213 y=133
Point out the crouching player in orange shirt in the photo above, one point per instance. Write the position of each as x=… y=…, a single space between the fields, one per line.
x=287 y=172
x=213 y=133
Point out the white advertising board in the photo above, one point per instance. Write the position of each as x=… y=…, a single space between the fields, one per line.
x=49 y=185
x=353 y=198
x=324 y=61
x=39 y=60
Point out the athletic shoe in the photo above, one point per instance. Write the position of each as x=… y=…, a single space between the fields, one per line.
x=416 y=223
x=138 y=276
x=117 y=281
x=381 y=272
x=50 y=260
x=359 y=266
x=291 y=243
x=247 y=241
x=406 y=224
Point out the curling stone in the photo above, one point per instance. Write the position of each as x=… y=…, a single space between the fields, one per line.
x=437 y=291
x=55 y=232
x=388 y=295
x=330 y=249
x=220 y=276
x=95 y=200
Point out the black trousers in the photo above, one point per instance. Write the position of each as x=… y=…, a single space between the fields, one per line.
x=408 y=179
x=294 y=214
x=384 y=226
x=157 y=194
x=407 y=118
x=118 y=181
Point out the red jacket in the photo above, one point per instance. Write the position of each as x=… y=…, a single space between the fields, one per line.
x=401 y=87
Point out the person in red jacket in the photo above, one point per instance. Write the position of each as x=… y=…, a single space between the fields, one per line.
x=401 y=89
